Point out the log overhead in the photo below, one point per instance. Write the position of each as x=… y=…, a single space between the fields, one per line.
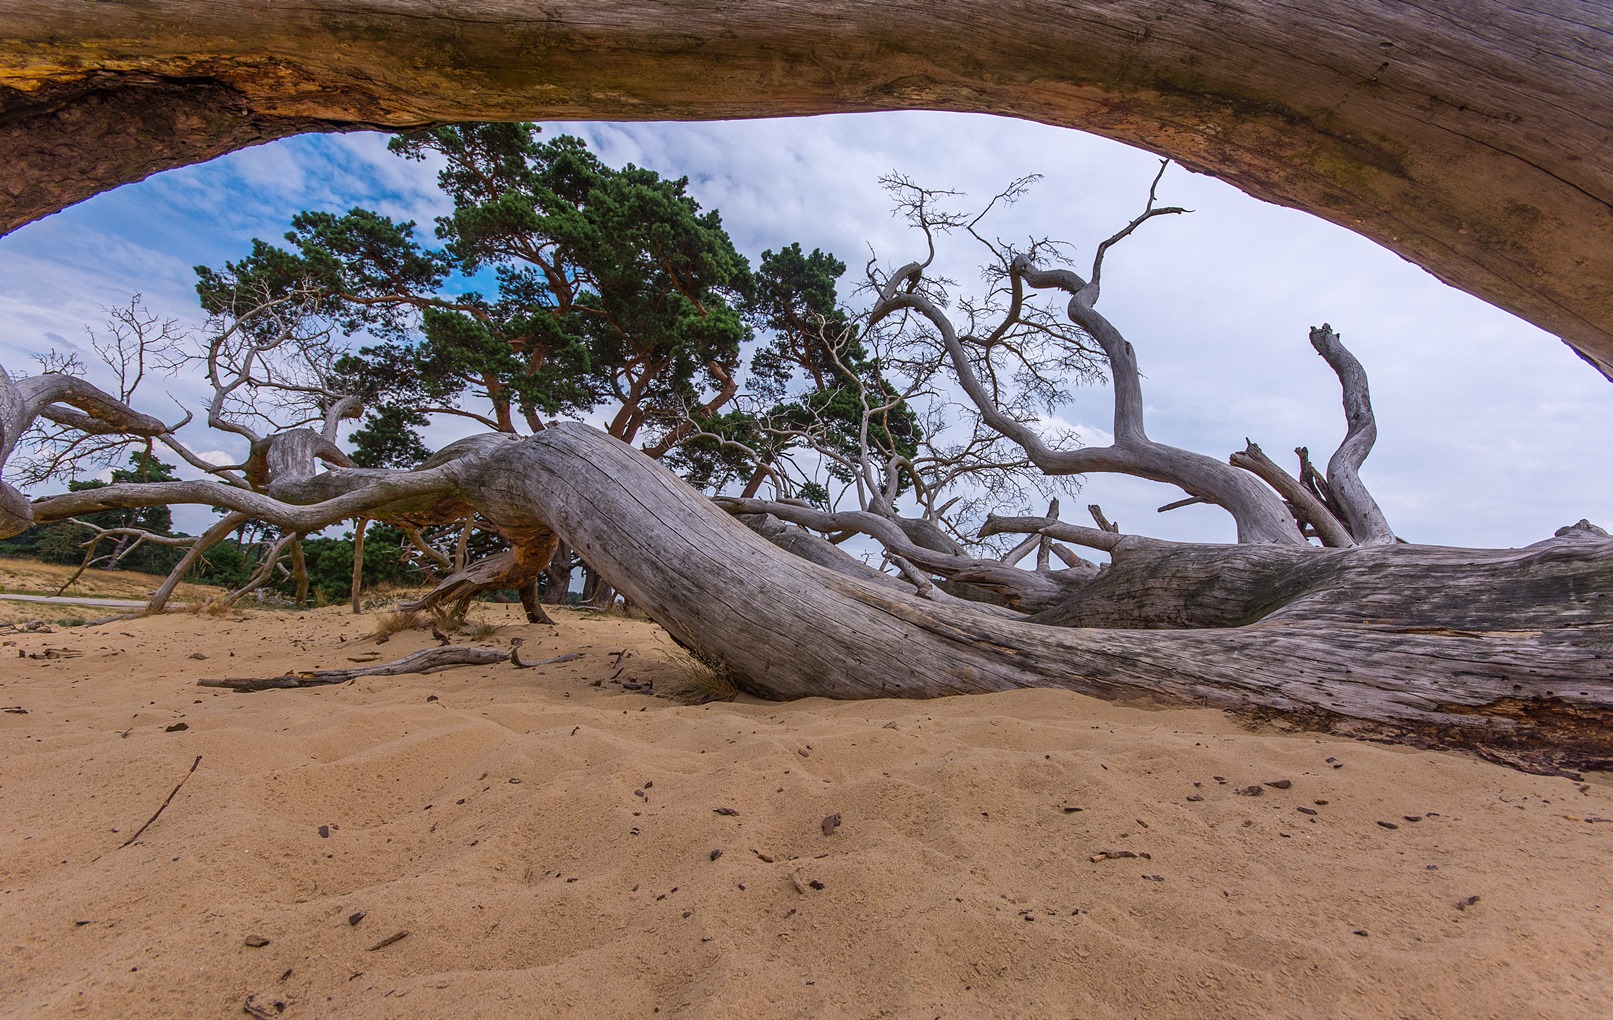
x=1467 y=137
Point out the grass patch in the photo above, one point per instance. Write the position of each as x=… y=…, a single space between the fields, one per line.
x=396 y=622
x=700 y=680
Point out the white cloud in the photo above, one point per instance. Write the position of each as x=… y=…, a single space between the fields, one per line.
x=1489 y=429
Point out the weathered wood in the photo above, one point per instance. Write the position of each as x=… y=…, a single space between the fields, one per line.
x=1150 y=584
x=357 y=587
x=1460 y=135
x=426 y=661
x=1025 y=590
x=1499 y=650
x=1360 y=512
x=801 y=542
x=515 y=657
x=785 y=628
x=61 y=398
x=1307 y=506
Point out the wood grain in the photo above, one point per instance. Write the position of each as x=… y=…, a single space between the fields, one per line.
x=1344 y=644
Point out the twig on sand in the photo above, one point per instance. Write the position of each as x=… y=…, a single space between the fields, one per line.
x=426 y=661
x=515 y=657
x=165 y=803
x=420 y=662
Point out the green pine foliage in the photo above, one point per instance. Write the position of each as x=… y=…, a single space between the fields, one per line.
x=568 y=288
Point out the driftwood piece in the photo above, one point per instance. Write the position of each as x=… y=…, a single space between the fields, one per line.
x=515 y=657
x=426 y=661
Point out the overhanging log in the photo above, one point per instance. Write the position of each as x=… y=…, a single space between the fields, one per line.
x=1460 y=135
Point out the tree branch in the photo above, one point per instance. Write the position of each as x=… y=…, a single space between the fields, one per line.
x=1024 y=589
x=1092 y=538
x=1308 y=509
x=1360 y=511
x=1260 y=516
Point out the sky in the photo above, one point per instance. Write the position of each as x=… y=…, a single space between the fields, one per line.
x=1491 y=432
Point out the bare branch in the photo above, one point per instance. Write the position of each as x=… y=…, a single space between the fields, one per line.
x=1307 y=508
x=1092 y=538
x=1148 y=213
x=1260 y=516
x=1103 y=523
x=210 y=538
x=378 y=489
x=1027 y=591
x=1360 y=512
x=1179 y=504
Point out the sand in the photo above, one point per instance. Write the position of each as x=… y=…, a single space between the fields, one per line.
x=554 y=848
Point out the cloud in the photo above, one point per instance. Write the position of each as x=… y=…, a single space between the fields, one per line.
x=1489 y=428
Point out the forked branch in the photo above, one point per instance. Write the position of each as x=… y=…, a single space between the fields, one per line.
x=1360 y=511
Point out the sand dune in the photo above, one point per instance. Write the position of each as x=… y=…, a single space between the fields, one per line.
x=554 y=848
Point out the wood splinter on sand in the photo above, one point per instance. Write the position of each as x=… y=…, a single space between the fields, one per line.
x=426 y=661
x=170 y=799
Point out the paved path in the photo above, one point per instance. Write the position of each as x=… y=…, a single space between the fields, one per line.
x=68 y=600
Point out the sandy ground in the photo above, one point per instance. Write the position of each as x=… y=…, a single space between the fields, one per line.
x=555 y=848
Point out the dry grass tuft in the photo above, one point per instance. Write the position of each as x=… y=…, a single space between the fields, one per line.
x=214 y=607
x=396 y=622
x=449 y=618
x=701 y=680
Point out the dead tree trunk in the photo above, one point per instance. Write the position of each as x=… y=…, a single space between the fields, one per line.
x=1506 y=652
x=1522 y=667
x=557 y=576
x=359 y=528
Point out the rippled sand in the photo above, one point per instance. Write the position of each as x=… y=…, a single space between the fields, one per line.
x=554 y=848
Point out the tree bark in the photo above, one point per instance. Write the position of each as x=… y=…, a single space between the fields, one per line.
x=557 y=576
x=1459 y=135
x=1459 y=672
x=359 y=527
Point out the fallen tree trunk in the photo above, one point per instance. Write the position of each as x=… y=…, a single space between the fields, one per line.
x=1153 y=584
x=785 y=628
x=1513 y=662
